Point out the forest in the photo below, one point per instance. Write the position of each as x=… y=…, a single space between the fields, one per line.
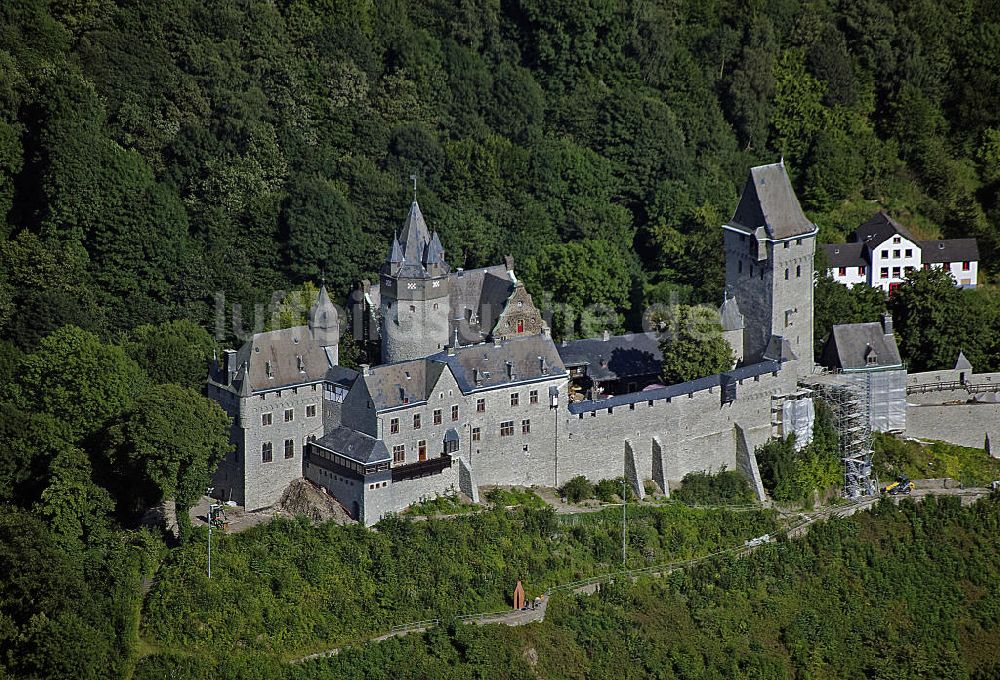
x=169 y=167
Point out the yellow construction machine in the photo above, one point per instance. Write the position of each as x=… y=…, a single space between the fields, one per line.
x=902 y=485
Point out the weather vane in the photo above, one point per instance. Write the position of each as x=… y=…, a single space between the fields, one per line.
x=414 y=178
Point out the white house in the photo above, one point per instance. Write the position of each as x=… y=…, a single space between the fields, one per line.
x=881 y=252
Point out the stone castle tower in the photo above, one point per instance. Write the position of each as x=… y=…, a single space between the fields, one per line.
x=769 y=246
x=414 y=293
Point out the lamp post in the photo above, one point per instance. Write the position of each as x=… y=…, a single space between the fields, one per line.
x=212 y=507
x=624 y=502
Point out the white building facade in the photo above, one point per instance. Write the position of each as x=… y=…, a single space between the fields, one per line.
x=881 y=252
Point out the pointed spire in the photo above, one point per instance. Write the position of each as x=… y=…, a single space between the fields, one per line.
x=395 y=255
x=435 y=252
x=962 y=364
x=415 y=236
x=323 y=319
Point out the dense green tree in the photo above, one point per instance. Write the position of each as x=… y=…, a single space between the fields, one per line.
x=585 y=284
x=324 y=237
x=693 y=346
x=79 y=380
x=166 y=447
x=29 y=443
x=931 y=321
x=176 y=351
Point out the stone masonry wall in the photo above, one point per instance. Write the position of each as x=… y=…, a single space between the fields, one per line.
x=396 y=496
x=695 y=432
x=265 y=482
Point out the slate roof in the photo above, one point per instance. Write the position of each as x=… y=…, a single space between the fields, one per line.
x=491 y=362
x=281 y=348
x=415 y=236
x=401 y=383
x=851 y=254
x=769 y=201
x=681 y=389
x=484 y=291
x=949 y=250
x=849 y=345
x=355 y=445
x=323 y=314
x=341 y=375
x=415 y=250
x=879 y=229
x=620 y=356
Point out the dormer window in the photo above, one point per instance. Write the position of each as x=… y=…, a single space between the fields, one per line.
x=871 y=357
x=477 y=376
x=269 y=369
x=543 y=365
x=510 y=370
x=302 y=363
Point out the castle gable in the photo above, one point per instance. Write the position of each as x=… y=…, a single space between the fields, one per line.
x=519 y=316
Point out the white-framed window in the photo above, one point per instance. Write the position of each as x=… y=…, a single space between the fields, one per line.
x=399 y=454
x=289 y=448
x=526 y=425
x=310 y=410
x=266 y=452
x=507 y=428
x=265 y=419
x=289 y=415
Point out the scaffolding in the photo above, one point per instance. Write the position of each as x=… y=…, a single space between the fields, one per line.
x=852 y=413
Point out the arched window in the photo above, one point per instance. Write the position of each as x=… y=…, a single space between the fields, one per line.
x=786 y=275
x=798 y=271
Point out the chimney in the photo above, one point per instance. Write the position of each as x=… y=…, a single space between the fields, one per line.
x=228 y=364
x=365 y=369
x=887 y=324
x=451 y=350
x=607 y=335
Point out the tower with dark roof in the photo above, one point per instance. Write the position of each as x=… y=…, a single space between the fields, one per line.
x=414 y=293
x=769 y=246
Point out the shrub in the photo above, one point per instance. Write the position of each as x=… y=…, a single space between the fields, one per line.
x=577 y=489
x=608 y=490
x=727 y=487
x=510 y=497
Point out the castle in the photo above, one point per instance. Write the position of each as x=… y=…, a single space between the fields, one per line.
x=473 y=391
